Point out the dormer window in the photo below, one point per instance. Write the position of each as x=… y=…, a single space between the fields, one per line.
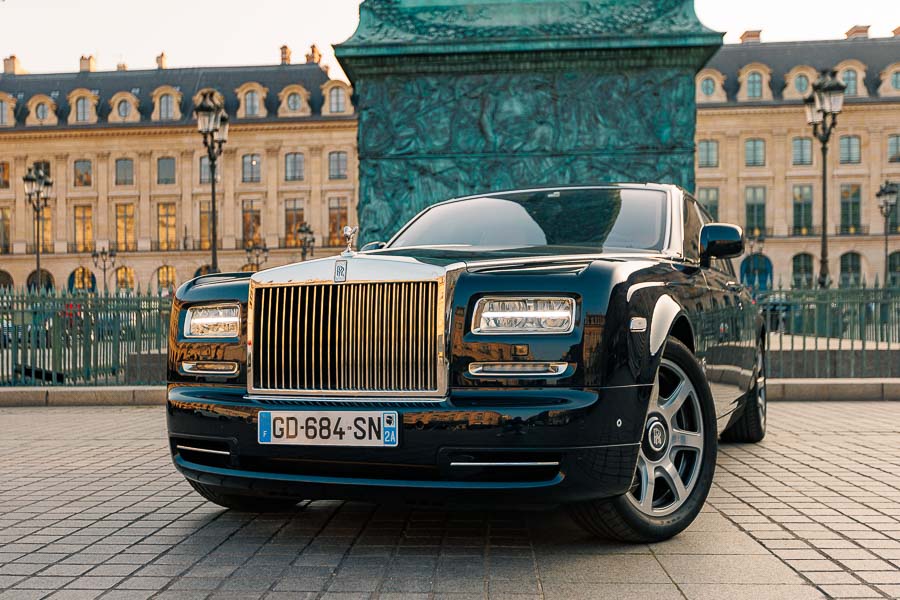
x=895 y=80
x=708 y=86
x=754 y=85
x=82 y=110
x=166 y=107
x=3 y=112
x=251 y=104
x=849 y=78
x=294 y=102
x=41 y=111
x=801 y=83
x=123 y=108
x=336 y=100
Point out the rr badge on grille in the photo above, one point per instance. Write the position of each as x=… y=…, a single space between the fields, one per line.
x=340 y=271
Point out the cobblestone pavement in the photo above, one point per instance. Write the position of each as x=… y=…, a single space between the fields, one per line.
x=90 y=506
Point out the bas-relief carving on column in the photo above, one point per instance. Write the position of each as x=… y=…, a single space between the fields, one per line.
x=445 y=136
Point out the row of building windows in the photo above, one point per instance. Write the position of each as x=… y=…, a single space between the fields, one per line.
x=757 y=272
x=754 y=82
x=802 y=225
x=83 y=279
x=251 y=169
x=850 y=151
x=125 y=239
x=166 y=105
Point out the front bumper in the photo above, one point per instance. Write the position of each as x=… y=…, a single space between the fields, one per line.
x=585 y=442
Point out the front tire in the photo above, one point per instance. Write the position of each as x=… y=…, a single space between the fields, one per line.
x=676 y=462
x=242 y=503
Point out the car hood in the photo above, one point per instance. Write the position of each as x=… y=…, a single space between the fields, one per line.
x=434 y=262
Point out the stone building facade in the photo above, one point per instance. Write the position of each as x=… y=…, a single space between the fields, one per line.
x=758 y=165
x=130 y=173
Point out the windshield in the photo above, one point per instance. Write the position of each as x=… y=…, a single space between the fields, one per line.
x=629 y=218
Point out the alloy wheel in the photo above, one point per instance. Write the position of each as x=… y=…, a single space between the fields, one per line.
x=671 y=452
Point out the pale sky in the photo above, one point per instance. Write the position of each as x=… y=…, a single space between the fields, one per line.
x=50 y=35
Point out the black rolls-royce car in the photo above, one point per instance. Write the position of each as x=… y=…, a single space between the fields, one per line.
x=584 y=346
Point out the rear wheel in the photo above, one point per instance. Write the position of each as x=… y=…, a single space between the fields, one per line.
x=751 y=425
x=676 y=461
x=242 y=503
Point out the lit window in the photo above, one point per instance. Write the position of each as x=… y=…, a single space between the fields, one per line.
x=803 y=210
x=84 y=228
x=123 y=108
x=754 y=85
x=709 y=199
x=801 y=151
x=82 y=280
x=801 y=83
x=708 y=86
x=165 y=277
x=754 y=152
x=850 y=150
x=125 y=240
x=708 y=151
x=337 y=165
x=205 y=225
x=294 y=102
x=293 y=219
x=5 y=221
x=46 y=218
x=336 y=100
x=251 y=170
x=124 y=171
x=166 y=107
x=849 y=77
x=293 y=166
x=82 y=110
x=41 y=111
x=755 y=199
x=83 y=173
x=894 y=151
x=124 y=278
x=165 y=226
x=337 y=219
x=4 y=175
x=165 y=170
x=251 y=104
x=251 y=223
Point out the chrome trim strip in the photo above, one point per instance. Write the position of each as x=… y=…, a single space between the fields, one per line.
x=206 y=450
x=549 y=463
x=350 y=398
x=482 y=369
x=192 y=368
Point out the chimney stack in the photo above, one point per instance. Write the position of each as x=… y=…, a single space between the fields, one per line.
x=314 y=56
x=87 y=64
x=121 y=67
x=12 y=66
x=285 y=55
x=751 y=36
x=858 y=32
x=161 y=61
x=896 y=32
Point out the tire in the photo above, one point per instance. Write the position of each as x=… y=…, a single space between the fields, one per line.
x=242 y=503
x=642 y=517
x=751 y=425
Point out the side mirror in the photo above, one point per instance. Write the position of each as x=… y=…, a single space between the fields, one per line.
x=373 y=246
x=720 y=240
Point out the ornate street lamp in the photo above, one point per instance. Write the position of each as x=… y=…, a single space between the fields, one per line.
x=104 y=260
x=822 y=108
x=212 y=123
x=887 y=202
x=307 y=239
x=257 y=255
x=37 y=191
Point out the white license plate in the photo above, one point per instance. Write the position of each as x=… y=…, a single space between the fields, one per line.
x=318 y=428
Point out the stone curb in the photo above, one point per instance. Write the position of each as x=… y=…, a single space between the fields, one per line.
x=789 y=390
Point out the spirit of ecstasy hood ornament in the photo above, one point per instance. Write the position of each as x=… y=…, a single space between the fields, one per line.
x=349 y=232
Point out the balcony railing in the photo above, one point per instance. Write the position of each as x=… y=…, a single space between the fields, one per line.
x=758 y=232
x=852 y=230
x=129 y=246
x=164 y=245
x=81 y=247
x=204 y=245
x=45 y=249
x=806 y=230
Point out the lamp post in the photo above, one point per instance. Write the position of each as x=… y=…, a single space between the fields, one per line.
x=212 y=122
x=823 y=106
x=257 y=255
x=887 y=202
x=37 y=191
x=104 y=260
x=307 y=239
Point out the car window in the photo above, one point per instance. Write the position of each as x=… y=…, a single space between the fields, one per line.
x=692 y=225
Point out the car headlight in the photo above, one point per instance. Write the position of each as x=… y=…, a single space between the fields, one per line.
x=524 y=315
x=219 y=321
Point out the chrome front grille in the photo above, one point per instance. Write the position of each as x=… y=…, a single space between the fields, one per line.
x=365 y=338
